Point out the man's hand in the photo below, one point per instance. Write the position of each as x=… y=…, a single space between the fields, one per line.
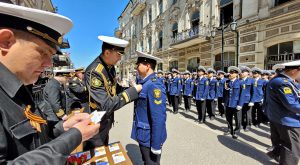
x=239 y=108
x=251 y=104
x=82 y=122
x=138 y=88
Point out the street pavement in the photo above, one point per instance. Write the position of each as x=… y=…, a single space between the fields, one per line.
x=190 y=143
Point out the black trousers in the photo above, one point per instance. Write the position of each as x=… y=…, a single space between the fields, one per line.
x=286 y=141
x=180 y=98
x=211 y=108
x=169 y=98
x=200 y=105
x=246 y=116
x=187 y=102
x=257 y=114
x=220 y=106
x=148 y=157
x=174 y=100
x=230 y=113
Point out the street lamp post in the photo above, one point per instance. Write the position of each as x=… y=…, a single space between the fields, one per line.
x=233 y=27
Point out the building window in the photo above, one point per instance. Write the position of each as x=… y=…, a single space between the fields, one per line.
x=160 y=66
x=279 y=2
x=142 y=45
x=228 y=60
x=226 y=13
x=175 y=30
x=142 y=22
x=150 y=44
x=160 y=6
x=150 y=15
x=173 y=2
x=173 y=65
x=280 y=53
x=160 y=39
x=195 y=23
x=193 y=64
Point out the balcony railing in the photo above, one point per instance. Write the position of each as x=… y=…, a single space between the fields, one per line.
x=286 y=57
x=186 y=34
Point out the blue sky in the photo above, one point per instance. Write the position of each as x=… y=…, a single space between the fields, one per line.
x=91 y=18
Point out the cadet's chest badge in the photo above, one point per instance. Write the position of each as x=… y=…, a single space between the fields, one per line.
x=206 y=83
x=96 y=82
x=157 y=93
x=244 y=86
x=287 y=90
x=255 y=84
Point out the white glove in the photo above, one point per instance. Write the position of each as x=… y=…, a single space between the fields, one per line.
x=156 y=152
x=262 y=100
x=216 y=108
x=202 y=99
x=223 y=104
x=239 y=108
x=215 y=99
x=251 y=104
x=194 y=98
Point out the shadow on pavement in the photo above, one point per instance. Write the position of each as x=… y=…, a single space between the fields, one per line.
x=253 y=140
x=187 y=116
x=245 y=149
x=170 y=110
x=263 y=134
x=265 y=128
x=221 y=120
x=134 y=154
x=215 y=127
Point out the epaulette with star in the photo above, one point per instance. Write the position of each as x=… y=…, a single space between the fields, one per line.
x=153 y=79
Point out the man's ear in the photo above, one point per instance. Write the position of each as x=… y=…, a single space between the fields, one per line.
x=7 y=39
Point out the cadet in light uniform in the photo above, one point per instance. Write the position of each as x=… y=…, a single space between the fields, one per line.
x=283 y=109
x=188 y=91
x=257 y=96
x=100 y=79
x=211 y=99
x=245 y=97
x=220 y=90
x=175 y=89
x=201 y=94
x=149 y=123
x=231 y=100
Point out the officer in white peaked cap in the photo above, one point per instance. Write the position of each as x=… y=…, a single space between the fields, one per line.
x=28 y=39
x=105 y=94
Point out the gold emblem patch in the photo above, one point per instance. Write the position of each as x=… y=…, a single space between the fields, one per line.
x=157 y=102
x=244 y=86
x=157 y=93
x=96 y=82
x=287 y=90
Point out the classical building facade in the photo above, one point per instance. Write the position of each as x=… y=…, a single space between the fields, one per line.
x=37 y=4
x=180 y=32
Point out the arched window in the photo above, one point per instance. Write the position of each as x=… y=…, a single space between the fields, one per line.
x=160 y=66
x=193 y=64
x=175 y=30
x=160 y=39
x=195 y=22
x=150 y=44
x=173 y=2
x=150 y=15
x=173 y=65
x=160 y=5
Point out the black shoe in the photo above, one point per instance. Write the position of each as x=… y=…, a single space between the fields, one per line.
x=273 y=156
x=212 y=118
x=270 y=148
x=234 y=136
x=227 y=133
x=200 y=122
x=246 y=129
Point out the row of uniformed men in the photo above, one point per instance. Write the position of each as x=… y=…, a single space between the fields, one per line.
x=211 y=90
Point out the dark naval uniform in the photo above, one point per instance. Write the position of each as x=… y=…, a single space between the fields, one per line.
x=78 y=94
x=149 y=125
x=19 y=140
x=101 y=83
x=282 y=107
x=55 y=98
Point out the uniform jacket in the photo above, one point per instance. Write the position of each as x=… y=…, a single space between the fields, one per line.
x=233 y=94
x=175 y=86
x=100 y=81
x=19 y=141
x=212 y=89
x=220 y=87
x=202 y=88
x=282 y=101
x=246 y=90
x=77 y=90
x=258 y=90
x=149 y=125
x=188 y=87
x=55 y=97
